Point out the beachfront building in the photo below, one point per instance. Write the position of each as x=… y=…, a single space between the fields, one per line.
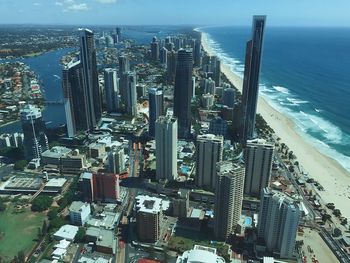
x=35 y=141
x=166 y=148
x=183 y=92
x=156 y=108
x=209 y=152
x=228 y=198
x=251 y=79
x=278 y=222
x=258 y=157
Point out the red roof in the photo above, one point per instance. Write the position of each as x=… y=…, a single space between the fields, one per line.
x=143 y=260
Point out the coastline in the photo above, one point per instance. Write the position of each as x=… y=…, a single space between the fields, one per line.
x=329 y=173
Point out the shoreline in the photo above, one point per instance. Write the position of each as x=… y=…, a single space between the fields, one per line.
x=328 y=172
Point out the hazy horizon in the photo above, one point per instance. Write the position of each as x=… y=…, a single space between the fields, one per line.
x=285 y=13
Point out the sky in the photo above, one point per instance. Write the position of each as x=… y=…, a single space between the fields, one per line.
x=175 y=12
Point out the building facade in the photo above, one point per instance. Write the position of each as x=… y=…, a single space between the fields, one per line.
x=166 y=148
x=209 y=150
x=258 y=156
x=111 y=89
x=278 y=222
x=156 y=108
x=79 y=213
x=228 y=198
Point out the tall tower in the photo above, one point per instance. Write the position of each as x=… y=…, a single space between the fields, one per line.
x=90 y=76
x=33 y=126
x=183 y=91
x=251 y=79
x=130 y=93
x=111 y=89
x=171 y=66
x=75 y=99
x=119 y=34
x=155 y=49
x=228 y=198
x=209 y=152
x=166 y=148
x=116 y=161
x=258 y=162
x=278 y=222
x=156 y=107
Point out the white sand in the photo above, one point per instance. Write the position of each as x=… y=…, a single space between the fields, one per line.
x=329 y=173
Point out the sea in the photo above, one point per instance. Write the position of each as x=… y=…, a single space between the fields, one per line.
x=305 y=75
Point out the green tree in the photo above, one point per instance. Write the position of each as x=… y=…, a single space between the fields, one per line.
x=41 y=203
x=44 y=228
x=2 y=206
x=21 y=257
x=20 y=165
x=52 y=214
x=80 y=236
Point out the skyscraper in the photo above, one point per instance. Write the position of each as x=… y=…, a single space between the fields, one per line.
x=278 y=222
x=90 y=76
x=119 y=34
x=75 y=99
x=183 y=91
x=124 y=65
x=116 y=161
x=229 y=97
x=163 y=56
x=130 y=93
x=166 y=148
x=171 y=66
x=155 y=49
x=111 y=89
x=209 y=150
x=228 y=198
x=198 y=52
x=258 y=157
x=156 y=108
x=251 y=79
x=33 y=126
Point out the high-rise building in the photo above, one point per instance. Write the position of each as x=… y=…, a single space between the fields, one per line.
x=198 y=53
x=228 y=198
x=183 y=92
x=116 y=161
x=76 y=102
x=124 y=65
x=111 y=89
x=278 y=222
x=228 y=98
x=209 y=150
x=155 y=49
x=216 y=68
x=90 y=77
x=156 y=108
x=218 y=126
x=163 y=56
x=119 y=34
x=33 y=126
x=171 y=66
x=166 y=148
x=130 y=93
x=258 y=157
x=251 y=79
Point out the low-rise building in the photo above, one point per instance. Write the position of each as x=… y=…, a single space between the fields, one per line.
x=79 y=213
x=104 y=239
x=67 y=232
x=200 y=254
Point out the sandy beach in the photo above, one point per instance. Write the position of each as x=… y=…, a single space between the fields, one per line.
x=329 y=173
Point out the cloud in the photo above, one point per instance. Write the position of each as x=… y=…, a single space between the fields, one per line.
x=59 y=3
x=37 y=4
x=78 y=7
x=107 y=1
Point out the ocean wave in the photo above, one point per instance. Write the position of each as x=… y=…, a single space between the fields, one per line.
x=297 y=101
x=281 y=89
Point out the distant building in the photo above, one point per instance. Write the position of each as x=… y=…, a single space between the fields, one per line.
x=124 y=65
x=163 y=56
x=156 y=107
x=149 y=212
x=200 y=254
x=218 y=126
x=229 y=97
x=130 y=93
x=171 y=66
x=198 y=53
x=116 y=161
x=166 y=148
x=155 y=49
x=209 y=152
x=228 y=198
x=79 y=213
x=111 y=89
x=207 y=101
x=33 y=126
x=278 y=222
x=183 y=92
x=251 y=79
x=258 y=157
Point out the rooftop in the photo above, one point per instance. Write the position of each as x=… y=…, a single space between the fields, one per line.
x=67 y=232
x=200 y=254
x=77 y=206
x=56 y=182
x=150 y=204
x=56 y=152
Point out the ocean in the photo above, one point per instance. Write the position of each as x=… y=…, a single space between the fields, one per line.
x=305 y=75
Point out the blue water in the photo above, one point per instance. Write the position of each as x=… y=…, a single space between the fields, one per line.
x=48 y=68
x=305 y=75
